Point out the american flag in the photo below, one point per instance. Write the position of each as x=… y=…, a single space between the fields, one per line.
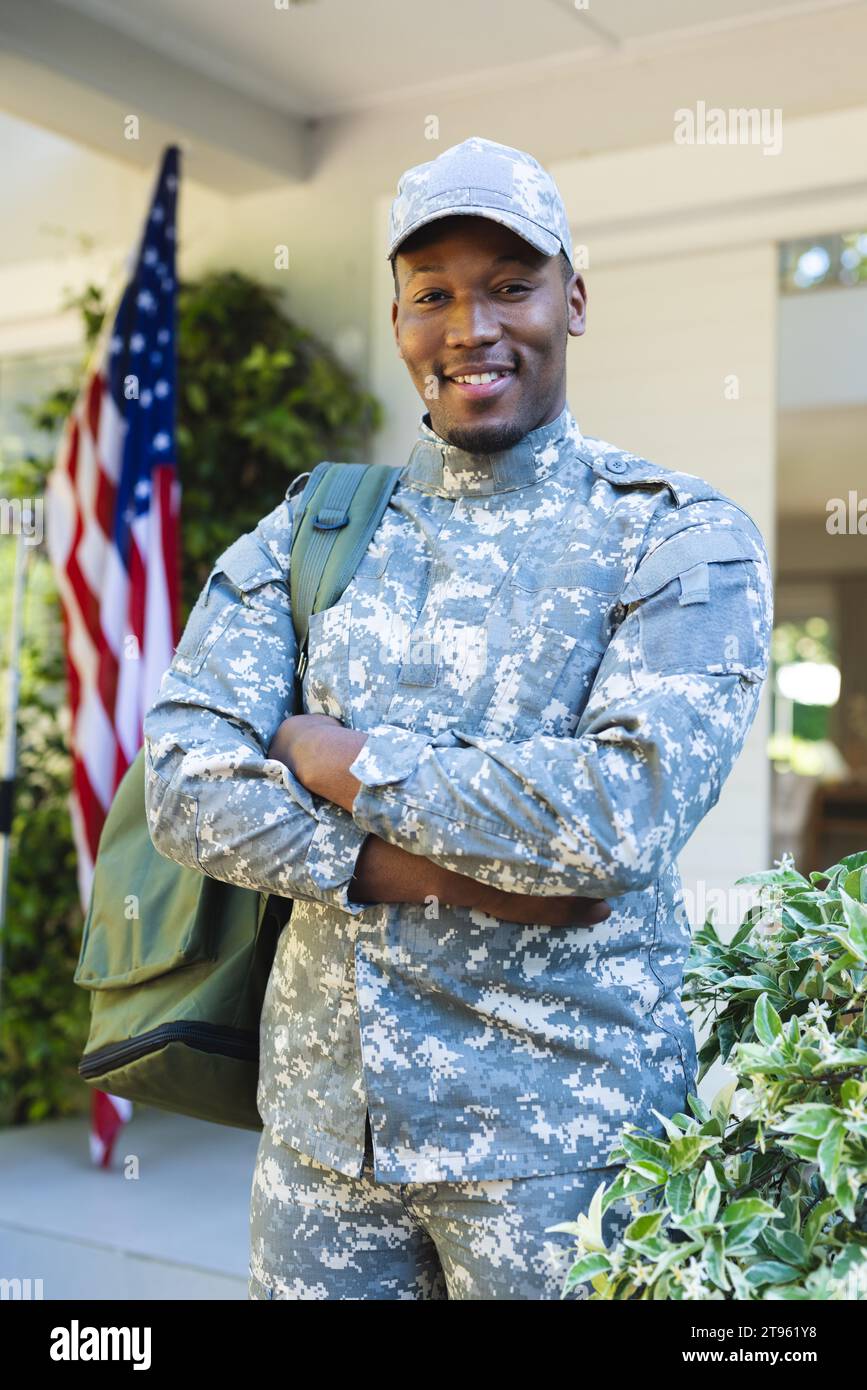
x=113 y=535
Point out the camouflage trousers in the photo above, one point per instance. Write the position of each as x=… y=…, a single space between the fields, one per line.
x=317 y=1234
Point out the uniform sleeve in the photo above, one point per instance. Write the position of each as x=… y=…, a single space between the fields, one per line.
x=214 y=800
x=601 y=813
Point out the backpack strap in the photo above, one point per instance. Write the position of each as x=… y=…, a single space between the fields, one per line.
x=340 y=509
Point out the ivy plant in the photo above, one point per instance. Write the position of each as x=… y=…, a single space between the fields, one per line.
x=762 y=1195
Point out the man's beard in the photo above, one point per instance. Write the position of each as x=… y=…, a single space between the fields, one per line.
x=486 y=439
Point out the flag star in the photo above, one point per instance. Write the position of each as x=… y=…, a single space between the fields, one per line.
x=161 y=388
x=145 y=300
x=142 y=488
x=171 y=182
x=146 y=397
x=116 y=342
x=158 y=212
x=163 y=335
x=150 y=255
x=137 y=342
x=161 y=441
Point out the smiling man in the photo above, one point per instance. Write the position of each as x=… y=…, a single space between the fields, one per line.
x=523 y=704
x=484 y=398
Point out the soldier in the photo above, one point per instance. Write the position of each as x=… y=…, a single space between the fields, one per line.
x=525 y=701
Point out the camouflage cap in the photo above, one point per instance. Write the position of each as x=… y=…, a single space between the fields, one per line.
x=481 y=178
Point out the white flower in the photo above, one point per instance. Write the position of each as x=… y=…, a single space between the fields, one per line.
x=692 y=1279
x=818 y=1011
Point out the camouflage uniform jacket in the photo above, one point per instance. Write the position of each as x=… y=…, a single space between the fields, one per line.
x=557 y=651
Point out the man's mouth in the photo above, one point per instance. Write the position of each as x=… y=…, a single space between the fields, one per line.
x=481 y=384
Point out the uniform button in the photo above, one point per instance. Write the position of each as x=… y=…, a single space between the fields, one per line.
x=617 y=466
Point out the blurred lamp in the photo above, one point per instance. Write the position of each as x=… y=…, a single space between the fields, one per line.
x=809 y=682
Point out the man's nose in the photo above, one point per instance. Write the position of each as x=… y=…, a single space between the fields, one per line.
x=473 y=320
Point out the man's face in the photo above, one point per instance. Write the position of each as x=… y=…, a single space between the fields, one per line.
x=475 y=297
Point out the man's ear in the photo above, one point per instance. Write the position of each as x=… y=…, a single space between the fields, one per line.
x=394 y=326
x=577 y=301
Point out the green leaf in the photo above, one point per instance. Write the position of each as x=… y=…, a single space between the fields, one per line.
x=765 y=876
x=766 y=1021
x=856 y=917
x=828 y=1154
x=769 y=1272
x=698 y=1108
x=816 y=1220
x=678 y=1194
x=714 y=1258
x=677 y=1255
x=787 y=1246
x=741 y=1237
x=858 y=860
x=589 y=1266
x=745 y=1208
x=754 y=984
x=643 y=1226
x=803 y=1146
x=841 y=1057
x=812 y=1121
x=814 y=984
x=639 y=1148
x=742 y=933
x=707 y=1193
x=805 y=913
x=728 y=1036
x=672 y=1130
x=629 y=1184
x=654 y=1173
x=846 y=1191
x=721 y=1104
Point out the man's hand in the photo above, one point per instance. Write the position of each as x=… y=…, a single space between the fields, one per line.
x=318 y=751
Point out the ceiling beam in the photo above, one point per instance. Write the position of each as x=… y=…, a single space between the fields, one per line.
x=68 y=73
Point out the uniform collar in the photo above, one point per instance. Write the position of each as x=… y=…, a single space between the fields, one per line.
x=439 y=467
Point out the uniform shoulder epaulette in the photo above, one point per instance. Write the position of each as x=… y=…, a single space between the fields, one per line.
x=631 y=470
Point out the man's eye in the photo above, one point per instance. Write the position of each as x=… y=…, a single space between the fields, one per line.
x=515 y=286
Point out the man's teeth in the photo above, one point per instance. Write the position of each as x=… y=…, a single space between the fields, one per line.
x=481 y=378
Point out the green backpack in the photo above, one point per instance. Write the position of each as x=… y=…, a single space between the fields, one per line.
x=177 y=989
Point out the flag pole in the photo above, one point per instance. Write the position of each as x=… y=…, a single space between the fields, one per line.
x=10 y=741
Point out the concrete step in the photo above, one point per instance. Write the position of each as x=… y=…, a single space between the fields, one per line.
x=168 y=1220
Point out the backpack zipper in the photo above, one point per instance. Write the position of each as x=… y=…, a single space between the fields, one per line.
x=231 y=1042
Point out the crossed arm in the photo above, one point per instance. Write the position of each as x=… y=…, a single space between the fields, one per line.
x=477 y=821
x=318 y=751
x=216 y=802
x=605 y=811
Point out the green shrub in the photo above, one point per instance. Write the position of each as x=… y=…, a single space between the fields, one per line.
x=760 y=1196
